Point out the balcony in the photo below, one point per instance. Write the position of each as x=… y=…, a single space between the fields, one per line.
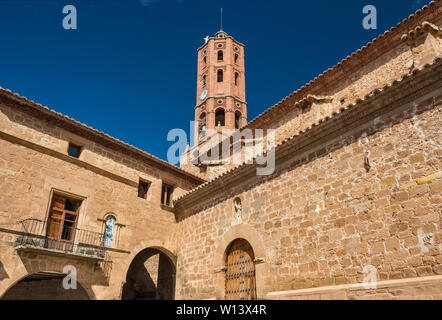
x=57 y=239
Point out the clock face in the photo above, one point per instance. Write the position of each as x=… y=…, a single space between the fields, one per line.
x=203 y=94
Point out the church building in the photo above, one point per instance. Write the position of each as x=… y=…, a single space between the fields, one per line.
x=350 y=210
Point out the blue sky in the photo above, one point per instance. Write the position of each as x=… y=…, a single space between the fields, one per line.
x=130 y=68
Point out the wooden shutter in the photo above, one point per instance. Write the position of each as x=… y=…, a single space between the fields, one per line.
x=56 y=217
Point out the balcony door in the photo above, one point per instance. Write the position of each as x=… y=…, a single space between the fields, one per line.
x=62 y=223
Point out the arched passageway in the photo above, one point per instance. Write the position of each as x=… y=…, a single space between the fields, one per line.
x=240 y=271
x=44 y=286
x=151 y=276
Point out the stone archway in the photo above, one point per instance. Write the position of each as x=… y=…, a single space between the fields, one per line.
x=251 y=235
x=151 y=276
x=44 y=286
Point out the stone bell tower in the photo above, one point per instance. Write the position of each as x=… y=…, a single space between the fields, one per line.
x=221 y=93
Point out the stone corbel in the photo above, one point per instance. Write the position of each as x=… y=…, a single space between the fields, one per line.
x=423 y=43
x=311 y=99
x=425 y=27
x=220 y=270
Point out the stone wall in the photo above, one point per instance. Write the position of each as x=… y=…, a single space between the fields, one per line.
x=34 y=164
x=324 y=220
x=359 y=77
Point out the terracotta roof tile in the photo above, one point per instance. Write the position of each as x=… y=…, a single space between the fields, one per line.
x=307 y=130
x=431 y=5
x=63 y=117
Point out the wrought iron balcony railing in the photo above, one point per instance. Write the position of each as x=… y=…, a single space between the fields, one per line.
x=57 y=237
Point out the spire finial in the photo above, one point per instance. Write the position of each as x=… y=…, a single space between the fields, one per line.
x=221 y=19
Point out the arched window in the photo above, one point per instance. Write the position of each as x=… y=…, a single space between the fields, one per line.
x=236 y=58
x=205 y=61
x=220 y=75
x=237 y=120
x=202 y=126
x=109 y=231
x=220 y=56
x=204 y=80
x=220 y=118
x=236 y=78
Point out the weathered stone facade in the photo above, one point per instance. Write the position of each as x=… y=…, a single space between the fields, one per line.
x=330 y=215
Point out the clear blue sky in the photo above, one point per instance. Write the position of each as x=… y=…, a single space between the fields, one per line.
x=130 y=68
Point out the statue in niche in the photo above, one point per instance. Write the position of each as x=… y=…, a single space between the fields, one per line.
x=238 y=209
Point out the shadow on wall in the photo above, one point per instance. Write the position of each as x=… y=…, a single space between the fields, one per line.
x=3 y=274
x=44 y=287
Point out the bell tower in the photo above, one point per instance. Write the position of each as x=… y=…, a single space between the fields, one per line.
x=221 y=91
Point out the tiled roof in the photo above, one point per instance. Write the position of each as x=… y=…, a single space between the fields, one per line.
x=44 y=109
x=327 y=119
x=432 y=6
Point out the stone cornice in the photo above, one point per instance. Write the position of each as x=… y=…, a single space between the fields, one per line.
x=424 y=28
x=76 y=127
x=220 y=97
x=380 y=101
x=213 y=38
x=370 y=52
x=56 y=154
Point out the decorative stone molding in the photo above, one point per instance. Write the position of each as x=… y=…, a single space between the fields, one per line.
x=424 y=28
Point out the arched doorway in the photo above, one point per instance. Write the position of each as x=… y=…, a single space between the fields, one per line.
x=151 y=276
x=44 y=286
x=240 y=271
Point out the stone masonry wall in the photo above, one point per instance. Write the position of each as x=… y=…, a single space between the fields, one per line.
x=28 y=175
x=358 y=82
x=322 y=222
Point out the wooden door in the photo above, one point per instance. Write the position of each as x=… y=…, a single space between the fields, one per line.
x=240 y=272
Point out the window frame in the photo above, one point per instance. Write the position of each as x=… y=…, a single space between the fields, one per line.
x=79 y=148
x=167 y=194
x=142 y=182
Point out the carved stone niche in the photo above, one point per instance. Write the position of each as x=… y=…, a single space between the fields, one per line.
x=425 y=44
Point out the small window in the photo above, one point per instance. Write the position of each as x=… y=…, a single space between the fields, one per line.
x=236 y=78
x=204 y=80
x=166 y=195
x=220 y=118
x=220 y=76
x=220 y=56
x=143 y=188
x=205 y=61
x=236 y=58
x=74 y=150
